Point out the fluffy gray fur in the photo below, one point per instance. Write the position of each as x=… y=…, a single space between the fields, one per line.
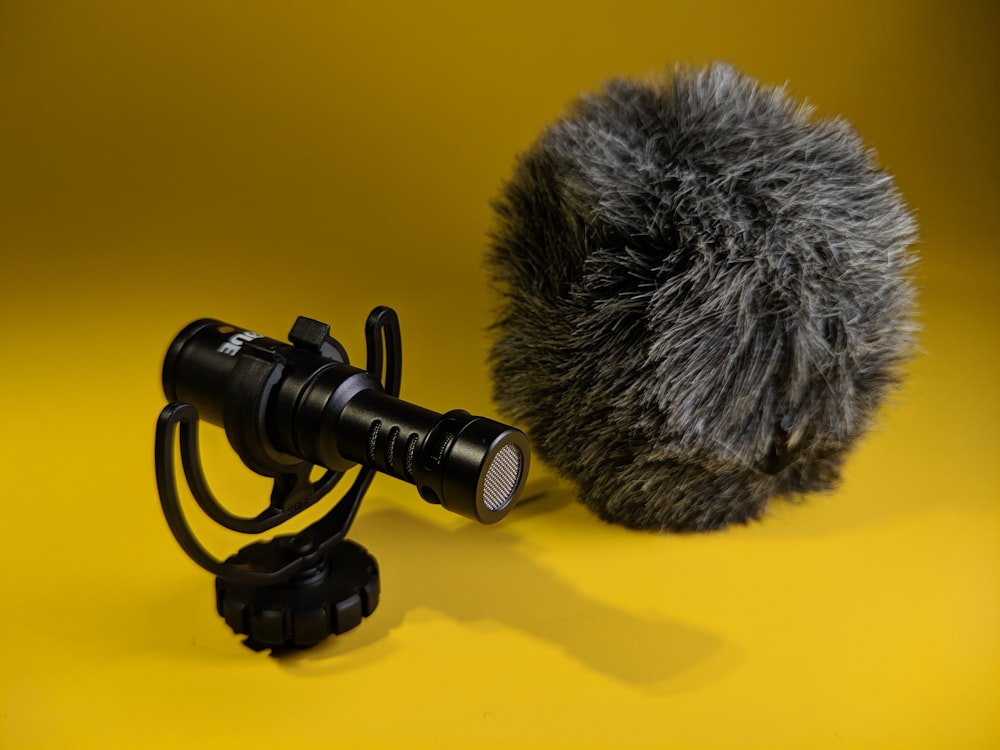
x=705 y=296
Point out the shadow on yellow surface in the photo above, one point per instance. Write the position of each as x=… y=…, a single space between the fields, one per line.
x=491 y=584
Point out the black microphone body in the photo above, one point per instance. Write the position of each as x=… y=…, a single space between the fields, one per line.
x=705 y=297
x=285 y=403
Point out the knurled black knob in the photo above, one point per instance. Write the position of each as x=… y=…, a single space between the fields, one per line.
x=330 y=598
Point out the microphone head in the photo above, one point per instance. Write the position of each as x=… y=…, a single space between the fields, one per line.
x=705 y=296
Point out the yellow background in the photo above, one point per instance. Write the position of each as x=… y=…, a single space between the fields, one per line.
x=252 y=161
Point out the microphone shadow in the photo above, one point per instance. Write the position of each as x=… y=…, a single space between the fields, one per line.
x=479 y=575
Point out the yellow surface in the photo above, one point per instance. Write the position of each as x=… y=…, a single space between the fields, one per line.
x=255 y=161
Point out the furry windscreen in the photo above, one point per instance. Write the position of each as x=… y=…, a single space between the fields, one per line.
x=705 y=295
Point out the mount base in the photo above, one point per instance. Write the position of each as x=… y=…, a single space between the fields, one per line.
x=330 y=598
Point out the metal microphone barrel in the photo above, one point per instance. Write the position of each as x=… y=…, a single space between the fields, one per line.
x=316 y=407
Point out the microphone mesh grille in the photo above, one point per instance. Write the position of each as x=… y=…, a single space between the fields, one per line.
x=502 y=477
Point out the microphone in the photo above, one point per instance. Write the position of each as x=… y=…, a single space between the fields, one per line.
x=282 y=404
x=705 y=295
x=288 y=408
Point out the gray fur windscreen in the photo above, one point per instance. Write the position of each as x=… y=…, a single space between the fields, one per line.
x=705 y=294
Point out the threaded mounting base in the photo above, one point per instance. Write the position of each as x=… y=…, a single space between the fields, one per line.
x=331 y=598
